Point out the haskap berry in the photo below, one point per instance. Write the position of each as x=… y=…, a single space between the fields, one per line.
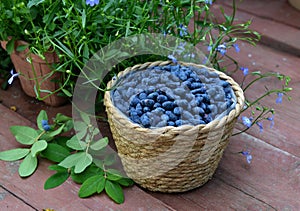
x=173 y=95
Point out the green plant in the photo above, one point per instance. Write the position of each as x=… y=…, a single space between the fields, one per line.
x=81 y=157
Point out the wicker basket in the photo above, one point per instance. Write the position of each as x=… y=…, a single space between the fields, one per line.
x=171 y=159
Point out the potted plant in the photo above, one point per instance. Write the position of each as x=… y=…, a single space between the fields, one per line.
x=70 y=32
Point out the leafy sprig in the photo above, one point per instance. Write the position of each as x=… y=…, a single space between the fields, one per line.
x=72 y=156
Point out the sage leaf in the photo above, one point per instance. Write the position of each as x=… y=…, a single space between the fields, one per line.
x=28 y=166
x=14 y=154
x=24 y=135
x=83 y=163
x=114 y=191
x=56 y=180
x=38 y=147
x=113 y=174
x=76 y=144
x=125 y=182
x=55 y=152
x=98 y=145
x=72 y=160
x=57 y=131
x=90 y=186
x=57 y=168
x=90 y=171
x=42 y=116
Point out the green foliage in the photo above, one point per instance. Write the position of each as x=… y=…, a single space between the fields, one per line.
x=72 y=155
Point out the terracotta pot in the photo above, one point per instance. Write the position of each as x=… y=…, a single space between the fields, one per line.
x=295 y=3
x=38 y=71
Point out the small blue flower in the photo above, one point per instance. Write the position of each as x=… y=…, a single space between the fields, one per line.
x=247 y=155
x=236 y=47
x=222 y=49
x=92 y=2
x=208 y=2
x=182 y=30
x=247 y=121
x=209 y=48
x=245 y=70
x=13 y=76
x=45 y=125
x=174 y=60
x=279 y=97
x=260 y=125
x=180 y=48
x=271 y=119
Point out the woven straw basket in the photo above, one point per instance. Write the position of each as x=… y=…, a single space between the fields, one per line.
x=171 y=159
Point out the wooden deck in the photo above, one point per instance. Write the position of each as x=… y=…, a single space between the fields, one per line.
x=271 y=182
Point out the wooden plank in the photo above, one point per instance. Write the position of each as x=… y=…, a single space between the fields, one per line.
x=277 y=10
x=9 y=202
x=64 y=197
x=275 y=34
x=271 y=182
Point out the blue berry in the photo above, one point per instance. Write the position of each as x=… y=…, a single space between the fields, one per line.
x=152 y=95
x=178 y=122
x=177 y=111
x=146 y=109
x=142 y=96
x=224 y=84
x=148 y=102
x=170 y=123
x=145 y=121
x=161 y=124
x=168 y=105
x=165 y=117
x=201 y=90
x=161 y=98
x=156 y=105
x=196 y=85
x=172 y=117
x=134 y=101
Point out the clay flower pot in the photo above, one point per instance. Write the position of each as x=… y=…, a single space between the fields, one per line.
x=35 y=71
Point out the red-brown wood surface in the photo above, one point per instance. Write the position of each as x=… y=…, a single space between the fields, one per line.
x=271 y=182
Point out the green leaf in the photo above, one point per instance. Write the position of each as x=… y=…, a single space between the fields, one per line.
x=42 y=116
x=86 y=118
x=81 y=129
x=24 y=135
x=101 y=184
x=110 y=159
x=83 y=163
x=66 y=92
x=72 y=160
x=32 y=3
x=28 y=166
x=114 y=191
x=57 y=131
x=10 y=46
x=98 y=145
x=21 y=48
x=38 y=147
x=114 y=175
x=91 y=186
x=55 y=152
x=60 y=118
x=56 y=180
x=90 y=171
x=75 y=144
x=125 y=182
x=14 y=154
x=57 y=168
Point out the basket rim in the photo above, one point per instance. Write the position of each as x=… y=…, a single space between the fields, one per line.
x=234 y=113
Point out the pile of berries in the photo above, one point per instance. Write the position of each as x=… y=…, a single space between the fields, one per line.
x=173 y=95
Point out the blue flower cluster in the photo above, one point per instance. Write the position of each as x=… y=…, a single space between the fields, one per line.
x=92 y=2
x=173 y=95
